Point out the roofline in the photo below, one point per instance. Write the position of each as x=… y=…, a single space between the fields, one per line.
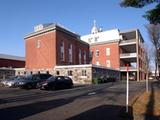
x=52 y=27
x=11 y=57
x=129 y=30
x=99 y=32
x=107 y=42
x=132 y=30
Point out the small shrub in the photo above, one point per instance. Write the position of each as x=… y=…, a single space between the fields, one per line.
x=97 y=80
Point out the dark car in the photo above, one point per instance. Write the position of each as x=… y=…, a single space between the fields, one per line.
x=105 y=79
x=31 y=81
x=56 y=82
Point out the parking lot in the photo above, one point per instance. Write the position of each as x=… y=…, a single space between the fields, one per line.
x=76 y=103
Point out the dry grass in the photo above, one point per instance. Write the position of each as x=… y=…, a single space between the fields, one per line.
x=147 y=104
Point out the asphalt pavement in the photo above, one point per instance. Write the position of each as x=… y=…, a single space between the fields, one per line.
x=89 y=102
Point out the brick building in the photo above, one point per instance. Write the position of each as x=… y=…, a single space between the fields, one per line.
x=9 y=64
x=115 y=49
x=10 y=61
x=55 y=49
x=51 y=45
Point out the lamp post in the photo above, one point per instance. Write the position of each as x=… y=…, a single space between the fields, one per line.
x=127 y=87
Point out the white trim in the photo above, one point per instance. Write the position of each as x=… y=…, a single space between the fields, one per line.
x=73 y=66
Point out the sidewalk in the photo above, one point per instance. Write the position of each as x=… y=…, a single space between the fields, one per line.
x=147 y=106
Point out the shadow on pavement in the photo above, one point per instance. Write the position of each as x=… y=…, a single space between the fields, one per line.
x=105 y=112
x=151 y=104
x=22 y=111
x=19 y=112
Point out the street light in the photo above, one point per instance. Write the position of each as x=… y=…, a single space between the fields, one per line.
x=127 y=87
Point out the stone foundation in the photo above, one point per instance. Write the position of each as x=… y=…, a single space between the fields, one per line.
x=80 y=74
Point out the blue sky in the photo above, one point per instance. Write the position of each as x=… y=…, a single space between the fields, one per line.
x=18 y=17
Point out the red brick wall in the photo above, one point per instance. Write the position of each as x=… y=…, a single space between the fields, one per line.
x=44 y=56
x=12 y=63
x=67 y=39
x=114 y=54
x=48 y=55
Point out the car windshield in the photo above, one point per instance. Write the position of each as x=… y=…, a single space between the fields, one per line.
x=28 y=77
x=52 y=78
x=20 y=78
x=13 y=78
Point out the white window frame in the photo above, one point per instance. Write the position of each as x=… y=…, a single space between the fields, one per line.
x=97 y=63
x=97 y=53
x=108 y=63
x=85 y=57
x=80 y=56
x=62 y=51
x=70 y=54
x=38 y=43
x=84 y=73
x=108 y=51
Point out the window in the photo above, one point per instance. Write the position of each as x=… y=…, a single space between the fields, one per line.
x=84 y=73
x=97 y=53
x=38 y=43
x=57 y=72
x=70 y=53
x=91 y=54
x=97 y=63
x=108 y=63
x=80 y=52
x=89 y=40
x=107 y=51
x=70 y=73
x=47 y=72
x=62 y=51
x=96 y=39
x=84 y=57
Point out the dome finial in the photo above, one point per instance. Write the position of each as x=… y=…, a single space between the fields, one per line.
x=94 y=23
x=94 y=28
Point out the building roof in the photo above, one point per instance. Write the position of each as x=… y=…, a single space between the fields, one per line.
x=42 y=28
x=103 y=36
x=11 y=57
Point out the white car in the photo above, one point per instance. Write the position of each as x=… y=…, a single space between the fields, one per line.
x=12 y=81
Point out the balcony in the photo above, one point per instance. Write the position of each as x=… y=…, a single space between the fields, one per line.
x=130 y=68
x=128 y=55
x=127 y=42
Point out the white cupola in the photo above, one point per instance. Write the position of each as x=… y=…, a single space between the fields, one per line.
x=94 y=28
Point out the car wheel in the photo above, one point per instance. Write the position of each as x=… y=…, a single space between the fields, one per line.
x=29 y=86
x=53 y=87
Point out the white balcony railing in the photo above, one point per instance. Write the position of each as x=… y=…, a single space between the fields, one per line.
x=127 y=42
x=128 y=55
x=131 y=68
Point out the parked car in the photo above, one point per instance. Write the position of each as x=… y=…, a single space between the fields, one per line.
x=31 y=81
x=108 y=79
x=11 y=81
x=132 y=78
x=56 y=82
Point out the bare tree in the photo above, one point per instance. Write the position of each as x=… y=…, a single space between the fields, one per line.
x=148 y=57
x=154 y=35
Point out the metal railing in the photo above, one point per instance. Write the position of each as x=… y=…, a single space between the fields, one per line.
x=128 y=55
x=127 y=41
x=124 y=68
